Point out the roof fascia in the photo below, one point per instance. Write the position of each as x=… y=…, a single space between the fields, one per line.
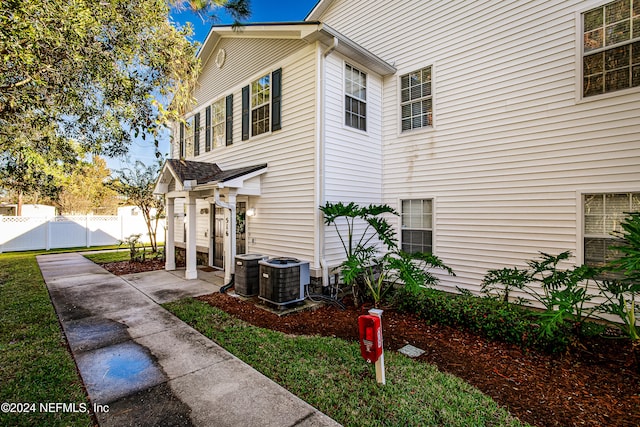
x=307 y=31
x=318 y=10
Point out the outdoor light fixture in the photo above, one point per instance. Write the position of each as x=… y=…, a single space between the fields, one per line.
x=251 y=212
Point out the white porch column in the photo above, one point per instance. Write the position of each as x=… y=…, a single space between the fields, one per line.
x=192 y=271
x=170 y=243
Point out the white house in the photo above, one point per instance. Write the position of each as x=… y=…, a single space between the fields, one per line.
x=497 y=129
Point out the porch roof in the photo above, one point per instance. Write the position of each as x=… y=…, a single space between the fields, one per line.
x=200 y=172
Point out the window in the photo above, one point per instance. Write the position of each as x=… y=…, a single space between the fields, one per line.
x=416 y=104
x=611 y=46
x=602 y=215
x=218 y=123
x=261 y=107
x=188 y=140
x=417 y=226
x=355 y=83
x=260 y=103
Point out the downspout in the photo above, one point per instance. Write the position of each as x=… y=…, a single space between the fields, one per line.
x=320 y=159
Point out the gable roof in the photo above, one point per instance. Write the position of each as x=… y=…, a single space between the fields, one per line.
x=318 y=9
x=307 y=31
x=201 y=172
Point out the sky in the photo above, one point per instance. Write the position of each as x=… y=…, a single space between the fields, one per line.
x=261 y=11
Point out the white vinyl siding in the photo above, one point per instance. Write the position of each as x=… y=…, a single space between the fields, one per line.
x=512 y=146
x=284 y=223
x=353 y=160
x=244 y=58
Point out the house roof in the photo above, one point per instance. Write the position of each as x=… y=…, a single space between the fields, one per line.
x=308 y=31
x=201 y=172
x=318 y=9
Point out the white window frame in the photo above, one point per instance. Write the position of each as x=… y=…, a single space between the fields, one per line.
x=348 y=84
x=580 y=54
x=411 y=101
x=260 y=103
x=422 y=227
x=218 y=109
x=581 y=219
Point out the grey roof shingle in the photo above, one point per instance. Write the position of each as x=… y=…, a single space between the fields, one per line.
x=203 y=172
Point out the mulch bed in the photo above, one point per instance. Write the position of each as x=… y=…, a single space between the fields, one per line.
x=595 y=384
x=120 y=268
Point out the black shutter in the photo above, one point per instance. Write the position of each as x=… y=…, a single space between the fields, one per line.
x=276 y=100
x=229 y=123
x=181 y=138
x=207 y=129
x=196 y=135
x=245 y=113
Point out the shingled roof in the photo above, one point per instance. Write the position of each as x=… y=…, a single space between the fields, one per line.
x=202 y=172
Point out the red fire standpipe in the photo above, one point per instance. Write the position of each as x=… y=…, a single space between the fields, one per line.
x=371 y=348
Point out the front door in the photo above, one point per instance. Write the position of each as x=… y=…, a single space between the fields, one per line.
x=220 y=229
x=241 y=228
x=218 y=236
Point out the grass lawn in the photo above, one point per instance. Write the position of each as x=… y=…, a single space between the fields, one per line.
x=329 y=374
x=35 y=364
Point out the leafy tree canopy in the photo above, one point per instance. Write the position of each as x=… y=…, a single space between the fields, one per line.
x=88 y=76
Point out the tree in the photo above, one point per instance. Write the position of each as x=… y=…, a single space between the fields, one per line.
x=86 y=190
x=136 y=184
x=88 y=76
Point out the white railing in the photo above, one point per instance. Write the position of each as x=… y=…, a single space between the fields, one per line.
x=19 y=233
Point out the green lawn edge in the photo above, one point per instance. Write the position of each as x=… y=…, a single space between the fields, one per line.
x=330 y=374
x=35 y=363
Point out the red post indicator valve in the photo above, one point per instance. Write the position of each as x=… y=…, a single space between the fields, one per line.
x=370 y=337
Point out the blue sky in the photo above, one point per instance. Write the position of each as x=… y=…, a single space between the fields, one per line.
x=261 y=11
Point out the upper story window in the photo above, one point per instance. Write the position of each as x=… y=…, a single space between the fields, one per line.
x=416 y=103
x=218 y=121
x=355 y=83
x=260 y=105
x=611 y=46
x=189 y=137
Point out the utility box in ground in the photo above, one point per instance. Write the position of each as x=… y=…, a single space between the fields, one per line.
x=282 y=280
x=247 y=279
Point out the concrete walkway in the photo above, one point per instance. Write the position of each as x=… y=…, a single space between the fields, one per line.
x=150 y=368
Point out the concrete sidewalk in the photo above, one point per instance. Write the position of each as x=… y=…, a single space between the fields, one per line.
x=149 y=367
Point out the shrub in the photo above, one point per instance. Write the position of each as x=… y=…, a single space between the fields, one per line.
x=486 y=316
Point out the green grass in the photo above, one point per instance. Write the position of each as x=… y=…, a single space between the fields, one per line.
x=35 y=364
x=329 y=374
x=114 y=256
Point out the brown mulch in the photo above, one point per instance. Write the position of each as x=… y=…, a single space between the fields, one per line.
x=120 y=268
x=596 y=384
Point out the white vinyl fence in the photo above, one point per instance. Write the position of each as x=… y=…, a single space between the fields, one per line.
x=19 y=233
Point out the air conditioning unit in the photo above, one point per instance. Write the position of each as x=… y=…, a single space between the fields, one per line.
x=282 y=280
x=247 y=278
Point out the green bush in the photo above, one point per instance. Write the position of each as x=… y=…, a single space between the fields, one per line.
x=488 y=317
